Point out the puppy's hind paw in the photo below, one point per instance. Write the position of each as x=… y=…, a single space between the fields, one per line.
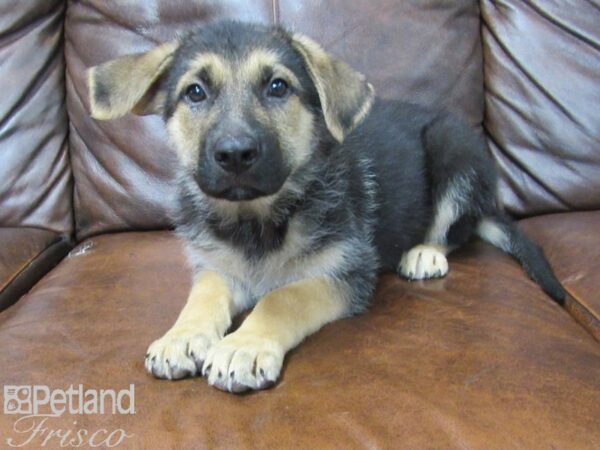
x=423 y=261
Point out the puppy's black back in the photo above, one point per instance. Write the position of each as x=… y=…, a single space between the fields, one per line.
x=391 y=138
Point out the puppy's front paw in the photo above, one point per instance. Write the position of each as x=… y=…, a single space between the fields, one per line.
x=179 y=354
x=423 y=261
x=243 y=361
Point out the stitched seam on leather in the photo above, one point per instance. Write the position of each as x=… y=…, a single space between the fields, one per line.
x=72 y=233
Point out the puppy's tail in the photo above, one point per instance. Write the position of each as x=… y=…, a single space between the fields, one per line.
x=501 y=232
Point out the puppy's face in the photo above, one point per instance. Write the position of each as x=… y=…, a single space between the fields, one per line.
x=240 y=117
x=244 y=105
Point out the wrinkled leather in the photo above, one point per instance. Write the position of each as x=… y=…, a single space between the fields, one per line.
x=35 y=175
x=124 y=168
x=542 y=66
x=423 y=52
x=481 y=359
x=572 y=243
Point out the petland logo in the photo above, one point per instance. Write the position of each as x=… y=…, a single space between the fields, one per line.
x=38 y=405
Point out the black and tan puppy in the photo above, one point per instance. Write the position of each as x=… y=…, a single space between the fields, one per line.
x=296 y=187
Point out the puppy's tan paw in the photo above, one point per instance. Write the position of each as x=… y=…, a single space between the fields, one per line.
x=243 y=361
x=179 y=354
x=424 y=261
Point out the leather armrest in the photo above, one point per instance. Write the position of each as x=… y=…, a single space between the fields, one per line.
x=27 y=254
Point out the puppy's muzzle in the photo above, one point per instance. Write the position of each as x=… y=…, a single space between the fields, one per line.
x=241 y=163
x=236 y=154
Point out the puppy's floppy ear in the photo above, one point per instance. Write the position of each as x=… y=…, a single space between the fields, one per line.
x=346 y=96
x=129 y=84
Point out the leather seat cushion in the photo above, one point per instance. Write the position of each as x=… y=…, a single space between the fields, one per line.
x=572 y=243
x=480 y=359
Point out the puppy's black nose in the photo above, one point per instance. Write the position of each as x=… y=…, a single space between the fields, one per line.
x=236 y=154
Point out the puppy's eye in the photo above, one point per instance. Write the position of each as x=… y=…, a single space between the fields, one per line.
x=194 y=93
x=277 y=88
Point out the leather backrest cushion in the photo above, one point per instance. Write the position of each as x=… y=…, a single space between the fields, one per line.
x=542 y=77
x=422 y=51
x=426 y=52
x=35 y=174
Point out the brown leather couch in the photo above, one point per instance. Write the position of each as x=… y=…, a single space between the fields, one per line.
x=480 y=359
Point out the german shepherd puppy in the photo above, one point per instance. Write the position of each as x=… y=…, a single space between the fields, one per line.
x=297 y=186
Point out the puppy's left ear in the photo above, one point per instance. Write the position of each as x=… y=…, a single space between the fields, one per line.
x=129 y=83
x=346 y=96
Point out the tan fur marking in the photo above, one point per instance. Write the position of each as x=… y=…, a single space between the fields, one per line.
x=289 y=314
x=257 y=60
x=251 y=69
x=343 y=91
x=209 y=305
x=126 y=82
x=219 y=70
x=252 y=66
x=294 y=125
x=187 y=133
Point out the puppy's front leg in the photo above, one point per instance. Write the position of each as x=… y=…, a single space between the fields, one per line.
x=203 y=321
x=252 y=356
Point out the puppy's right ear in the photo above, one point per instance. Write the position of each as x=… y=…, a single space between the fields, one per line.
x=129 y=84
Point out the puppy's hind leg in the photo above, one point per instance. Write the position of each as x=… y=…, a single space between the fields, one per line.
x=462 y=183
x=428 y=260
x=453 y=223
x=455 y=214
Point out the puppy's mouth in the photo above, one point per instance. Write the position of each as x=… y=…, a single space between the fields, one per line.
x=238 y=194
x=235 y=189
